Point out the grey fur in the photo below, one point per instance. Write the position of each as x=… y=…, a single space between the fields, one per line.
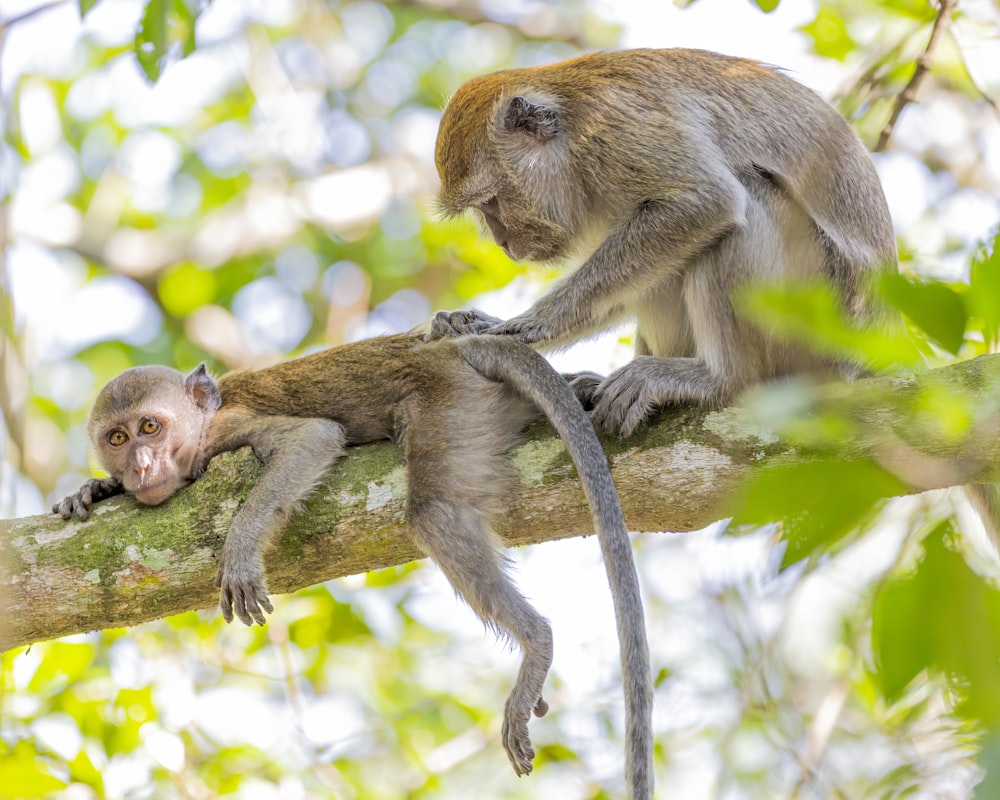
x=681 y=176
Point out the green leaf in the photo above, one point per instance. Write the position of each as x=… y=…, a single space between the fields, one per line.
x=984 y=292
x=829 y=34
x=151 y=40
x=935 y=308
x=818 y=502
x=943 y=618
x=85 y=6
x=767 y=6
x=25 y=777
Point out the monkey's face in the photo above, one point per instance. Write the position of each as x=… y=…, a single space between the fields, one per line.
x=149 y=455
x=522 y=235
x=146 y=428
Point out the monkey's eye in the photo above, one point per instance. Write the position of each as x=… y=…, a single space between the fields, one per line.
x=149 y=426
x=117 y=438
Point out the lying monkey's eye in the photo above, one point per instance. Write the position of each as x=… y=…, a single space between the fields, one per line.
x=117 y=438
x=149 y=426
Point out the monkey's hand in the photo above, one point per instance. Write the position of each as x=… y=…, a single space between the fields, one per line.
x=528 y=329
x=459 y=323
x=584 y=386
x=243 y=591
x=93 y=491
x=514 y=731
x=630 y=395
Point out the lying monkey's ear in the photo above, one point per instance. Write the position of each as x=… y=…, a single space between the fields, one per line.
x=203 y=389
x=535 y=119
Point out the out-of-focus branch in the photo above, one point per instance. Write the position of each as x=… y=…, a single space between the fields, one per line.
x=924 y=62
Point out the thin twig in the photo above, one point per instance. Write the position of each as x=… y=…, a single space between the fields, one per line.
x=924 y=62
x=7 y=24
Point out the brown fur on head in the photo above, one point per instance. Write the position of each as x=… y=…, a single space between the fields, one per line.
x=146 y=428
x=503 y=149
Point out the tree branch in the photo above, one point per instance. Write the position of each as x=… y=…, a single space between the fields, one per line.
x=129 y=564
x=924 y=62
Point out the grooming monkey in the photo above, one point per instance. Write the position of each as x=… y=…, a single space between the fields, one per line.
x=679 y=176
x=456 y=406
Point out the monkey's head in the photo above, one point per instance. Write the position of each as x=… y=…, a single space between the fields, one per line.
x=503 y=150
x=147 y=426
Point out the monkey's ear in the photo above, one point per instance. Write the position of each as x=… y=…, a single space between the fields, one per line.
x=203 y=389
x=534 y=119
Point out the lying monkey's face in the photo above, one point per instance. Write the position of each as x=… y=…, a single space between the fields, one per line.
x=146 y=427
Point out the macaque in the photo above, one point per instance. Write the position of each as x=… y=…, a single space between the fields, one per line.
x=456 y=406
x=678 y=177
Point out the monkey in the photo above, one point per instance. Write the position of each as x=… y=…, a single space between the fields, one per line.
x=678 y=177
x=456 y=406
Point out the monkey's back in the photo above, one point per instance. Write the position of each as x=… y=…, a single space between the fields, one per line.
x=360 y=385
x=628 y=120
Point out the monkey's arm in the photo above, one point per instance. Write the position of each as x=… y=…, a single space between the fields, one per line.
x=93 y=491
x=296 y=453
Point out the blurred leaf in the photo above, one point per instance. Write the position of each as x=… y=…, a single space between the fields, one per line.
x=984 y=292
x=187 y=287
x=812 y=314
x=934 y=307
x=943 y=618
x=829 y=33
x=85 y=6
x=818 y=502
x=151 y=39
x=24 y=776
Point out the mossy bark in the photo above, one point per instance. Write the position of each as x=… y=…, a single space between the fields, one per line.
x=129 y=563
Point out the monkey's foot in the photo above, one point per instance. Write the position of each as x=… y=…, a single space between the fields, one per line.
x=243 y=592
x=584 y=386
x=514 y=733
x=459 y=323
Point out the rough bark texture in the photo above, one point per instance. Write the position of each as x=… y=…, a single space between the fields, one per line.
x=129 y=564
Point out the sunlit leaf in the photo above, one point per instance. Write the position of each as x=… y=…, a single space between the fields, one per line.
x=767 y=6
x=829 y=33
x=984 y=292
x=24 y=775
x=934 y=307
x=151 y=39
x=943 y=618
x=818 y=502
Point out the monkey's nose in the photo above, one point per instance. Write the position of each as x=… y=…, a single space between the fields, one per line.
x=143 y=459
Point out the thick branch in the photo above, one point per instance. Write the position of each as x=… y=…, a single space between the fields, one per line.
x=129 y=563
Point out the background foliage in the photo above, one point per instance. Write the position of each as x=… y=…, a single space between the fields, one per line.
x=235 y=182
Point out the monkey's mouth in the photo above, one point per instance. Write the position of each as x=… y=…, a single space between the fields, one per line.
x=155 y=493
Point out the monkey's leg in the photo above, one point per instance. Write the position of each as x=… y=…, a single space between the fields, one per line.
x=461 y=545
x=457 y=475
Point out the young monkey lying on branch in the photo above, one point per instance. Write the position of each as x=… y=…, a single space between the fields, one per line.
x=456 y=406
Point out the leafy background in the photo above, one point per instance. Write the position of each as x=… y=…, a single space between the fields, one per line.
x=236 y=182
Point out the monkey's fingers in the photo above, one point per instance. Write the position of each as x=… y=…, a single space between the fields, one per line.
x=528 y=330
x=584 y=386
x=514 y=733
x=623 y=402
x=460 y=323
x=226 y=604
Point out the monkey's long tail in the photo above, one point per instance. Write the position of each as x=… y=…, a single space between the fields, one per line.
x=521 y=368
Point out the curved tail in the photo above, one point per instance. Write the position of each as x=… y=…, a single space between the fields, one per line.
x=524 y=370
